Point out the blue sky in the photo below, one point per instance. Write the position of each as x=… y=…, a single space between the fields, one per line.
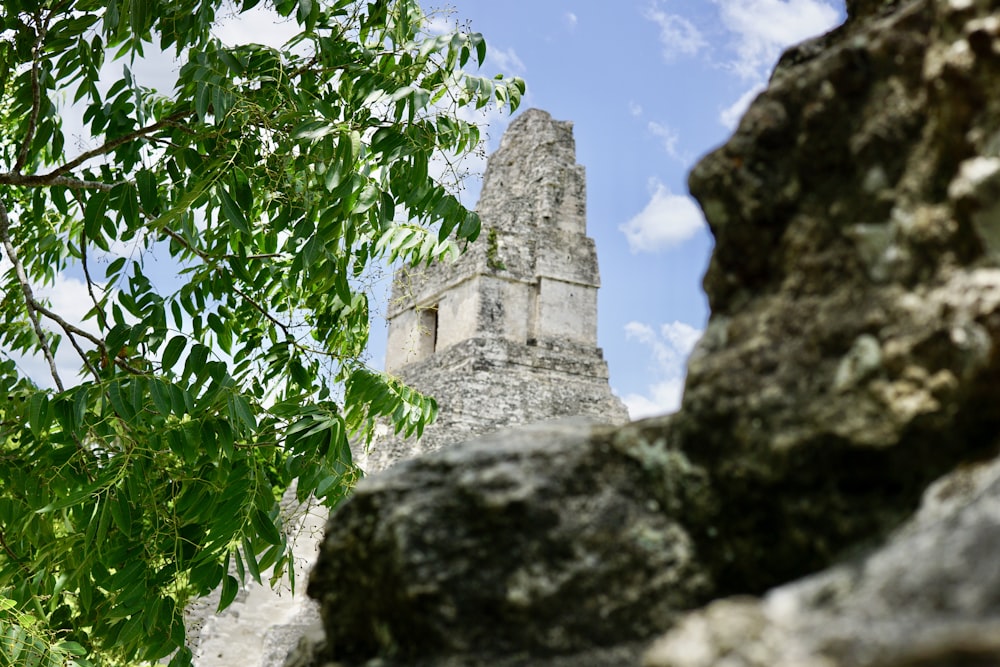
x=650 y=85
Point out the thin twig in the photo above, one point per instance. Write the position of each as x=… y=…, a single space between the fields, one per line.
x=36 y=93
x=83 y=355
x=101 y=319
x=35 y=309
x=29 y=297
x=13 y=556
x=71 y=329
x=260 y=309
x=210 y=259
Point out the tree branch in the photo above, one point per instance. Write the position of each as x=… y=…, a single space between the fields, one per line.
x=101 y=319
x=38 y=180
x=71 y=330
x=109 y=146
x=10 y=553
x=83 y=355
x=58 y=176
x=210 y=259
x=29 y=297
x=263 y=311
x=35 y=309
x=36 y=93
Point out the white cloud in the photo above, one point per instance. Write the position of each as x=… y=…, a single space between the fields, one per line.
x=670 y=346
x=666 y=221
x=260 y=25
x=668 y=136
x=571 y=20
x=439 y=24
x=635 y=109
x=730 y=116
x=678 y=36
x=69 y=297
x=506 y=61
x=663 y=398
x=764 y=28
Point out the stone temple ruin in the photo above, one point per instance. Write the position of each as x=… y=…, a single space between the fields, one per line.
x=505 y=335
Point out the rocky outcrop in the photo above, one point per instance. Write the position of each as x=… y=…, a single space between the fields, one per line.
x=851 y=359
x=545 y=540
x=929 y=598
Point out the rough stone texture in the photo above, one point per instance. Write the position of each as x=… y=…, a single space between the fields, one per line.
x=851 y=359
x=851 y=356
x=507 y=334
x=483 y=384
x=541 y=541
x=929 y=598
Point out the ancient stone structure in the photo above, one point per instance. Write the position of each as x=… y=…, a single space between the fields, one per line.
x=507 y=334
x=852 y=358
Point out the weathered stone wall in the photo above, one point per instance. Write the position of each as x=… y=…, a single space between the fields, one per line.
x=852 y=358
x=484 y=384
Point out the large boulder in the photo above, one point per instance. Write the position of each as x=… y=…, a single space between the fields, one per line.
x=851 y=359
x=544 y=540
x=851 y=356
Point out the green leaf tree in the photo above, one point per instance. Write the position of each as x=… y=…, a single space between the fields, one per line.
x=269 y=181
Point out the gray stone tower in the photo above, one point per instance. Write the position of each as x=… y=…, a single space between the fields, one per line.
x=507 y=334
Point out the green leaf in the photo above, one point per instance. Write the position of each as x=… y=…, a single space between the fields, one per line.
x=117 y=337
x=239 y=411
x=201 y=96
x=39 y=415
x=121 y=406
x=367 y=199
x=230 y=587
x=93 y=217
x=172 y=352
x=314 y=130
x=121 y=512
x=251 y=560
x=265 y=527
x=145 y=181
x=232 y=211
x=161 y=396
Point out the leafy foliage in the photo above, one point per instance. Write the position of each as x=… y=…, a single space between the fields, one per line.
x=270 y=181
